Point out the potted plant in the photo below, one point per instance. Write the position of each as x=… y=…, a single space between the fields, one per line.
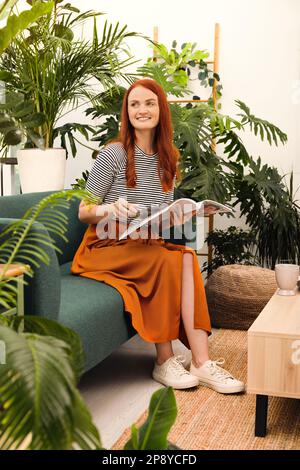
x=230 y=246
x=47 y=72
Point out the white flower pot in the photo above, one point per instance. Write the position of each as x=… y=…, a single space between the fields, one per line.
x=41 y=170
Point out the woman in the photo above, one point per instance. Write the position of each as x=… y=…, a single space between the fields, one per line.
x=160 y=282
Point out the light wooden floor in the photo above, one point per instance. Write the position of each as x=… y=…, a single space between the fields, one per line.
x=118 y=390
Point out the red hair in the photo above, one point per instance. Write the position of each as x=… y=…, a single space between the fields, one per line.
x=168 y=153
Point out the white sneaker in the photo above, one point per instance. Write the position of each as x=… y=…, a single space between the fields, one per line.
x=172 y=374
x=213 y=376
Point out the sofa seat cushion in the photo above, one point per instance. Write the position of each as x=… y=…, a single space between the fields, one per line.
x=95 y=311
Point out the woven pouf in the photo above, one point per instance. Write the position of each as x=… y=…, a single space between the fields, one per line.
x=236 y=294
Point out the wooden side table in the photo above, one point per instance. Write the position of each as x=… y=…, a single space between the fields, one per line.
x=15 y=272
x=274 y=355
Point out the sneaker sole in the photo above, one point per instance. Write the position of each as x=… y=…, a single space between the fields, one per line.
x=236 y=389
x=178 y=386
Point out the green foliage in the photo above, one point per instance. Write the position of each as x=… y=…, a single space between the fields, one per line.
x=153 y=433
x=177 y=66
x=20 y=244
x=160 y=74
x=18 y=23
x=47 y=327
x=40 y=406
x=18 y=118
x=192 y=131
x=53 y=70
x=271 y=212
x=230 y=246
x=261 y=127
x=67 y=131
x=38 y=396
x=81 y=182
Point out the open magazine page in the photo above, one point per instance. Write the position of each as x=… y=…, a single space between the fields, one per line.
x=161 y=217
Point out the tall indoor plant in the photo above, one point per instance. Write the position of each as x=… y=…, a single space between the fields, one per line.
x=52 y=72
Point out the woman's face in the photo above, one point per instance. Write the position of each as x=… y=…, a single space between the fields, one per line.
x=143 y=109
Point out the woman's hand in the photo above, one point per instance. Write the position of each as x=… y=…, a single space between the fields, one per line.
x=122 y=210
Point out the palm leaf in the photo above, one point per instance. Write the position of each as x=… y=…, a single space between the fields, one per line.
x=38 y=396
x=18 y=243
x=162 y=414
x=57 y=73
x=160 y=74
x=47 y=327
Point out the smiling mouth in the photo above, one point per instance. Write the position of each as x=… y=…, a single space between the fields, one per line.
x=143 y=119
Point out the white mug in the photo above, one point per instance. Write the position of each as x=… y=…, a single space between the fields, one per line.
x=287 y=277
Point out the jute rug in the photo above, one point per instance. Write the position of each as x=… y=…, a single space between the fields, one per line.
x=211 y=421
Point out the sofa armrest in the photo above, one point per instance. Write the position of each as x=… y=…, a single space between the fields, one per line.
x=42 y=292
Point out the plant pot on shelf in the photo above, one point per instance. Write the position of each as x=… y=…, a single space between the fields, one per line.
x=41 y=170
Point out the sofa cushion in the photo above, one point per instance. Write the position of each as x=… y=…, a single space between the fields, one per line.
x=95 y=311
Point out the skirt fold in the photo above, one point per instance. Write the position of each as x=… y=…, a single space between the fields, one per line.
x=147 y=274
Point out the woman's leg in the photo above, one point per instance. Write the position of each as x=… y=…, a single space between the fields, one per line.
x=198 y=339
x=209 y=373
x=164 y=351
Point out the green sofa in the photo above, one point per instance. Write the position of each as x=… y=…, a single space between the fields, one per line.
x=93 y=309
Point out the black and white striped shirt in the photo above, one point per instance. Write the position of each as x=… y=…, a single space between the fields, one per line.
x=107 y=179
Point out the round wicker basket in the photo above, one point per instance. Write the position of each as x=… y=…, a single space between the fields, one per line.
x=236 y=294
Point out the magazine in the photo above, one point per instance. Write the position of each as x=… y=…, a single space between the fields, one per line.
x=165 y=215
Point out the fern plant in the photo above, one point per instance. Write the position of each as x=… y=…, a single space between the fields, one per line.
x=40 y=406
x=22 y=246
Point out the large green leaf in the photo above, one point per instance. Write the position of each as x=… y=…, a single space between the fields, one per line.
x=38 y=396
x=160 y=74
x=192 y=133
x=162 y=414
x=15 y=23
x=47 y=327
x=17 y=117
x=261 y=127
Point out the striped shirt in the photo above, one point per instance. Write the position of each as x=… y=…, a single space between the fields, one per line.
x=107 y=179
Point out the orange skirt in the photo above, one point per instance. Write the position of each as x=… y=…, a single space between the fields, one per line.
x=147 y=273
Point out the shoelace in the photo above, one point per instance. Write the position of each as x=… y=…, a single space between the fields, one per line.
x=218 y=371
x=177 y=365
